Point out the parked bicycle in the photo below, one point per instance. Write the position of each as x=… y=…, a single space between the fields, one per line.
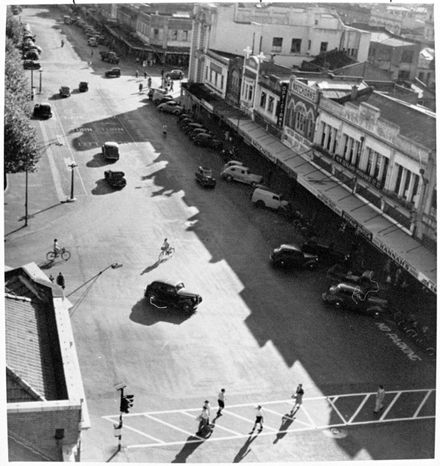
x=63 y=253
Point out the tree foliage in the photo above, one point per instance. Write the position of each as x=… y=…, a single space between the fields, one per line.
x=20 y=142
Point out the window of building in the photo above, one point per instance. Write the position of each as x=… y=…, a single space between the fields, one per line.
x=263 y=100
x=206 y=73
x=309 y=45
x=270 y=106
x=434 y=199
x=323 y=47
x=235 y=80
x=185 y=36
x=222 y=82
x=277 y=44
x=300 y=119
x=421 y=75
x=310 y=125
x=295 y=46
x=415 y=188
x=407 y=56
x=398 y=179
x=172 y=34
x=316 y=22
x=156 y=33
x=403 y=74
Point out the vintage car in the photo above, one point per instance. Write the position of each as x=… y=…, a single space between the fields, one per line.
x=31 y=65
x=204 y=177
x=241 y=174
x=42 y=110
x=83 y=86
x=110 y=150
x=64 y=91
x=291 y=256
x=109 y=57
x=207 y=140
x=171 y=106
x=115 y=179
x=164 y=294
x=175 y=74
x=113 y=73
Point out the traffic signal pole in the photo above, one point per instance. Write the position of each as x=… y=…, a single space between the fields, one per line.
x=126 y=402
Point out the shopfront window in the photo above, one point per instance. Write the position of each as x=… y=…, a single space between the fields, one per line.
x=271 y=104
x=300 y=119
x=263 y=100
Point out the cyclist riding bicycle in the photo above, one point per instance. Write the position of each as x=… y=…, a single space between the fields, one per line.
x=165 y=246
x=56 y=248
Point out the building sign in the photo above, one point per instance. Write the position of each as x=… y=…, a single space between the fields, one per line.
x=282 y=104
x=359 y=228
x=360 y=174
x=396 y=258
x=301 y=89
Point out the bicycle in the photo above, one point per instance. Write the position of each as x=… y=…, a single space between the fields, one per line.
x=63 y=253
x=166 y=253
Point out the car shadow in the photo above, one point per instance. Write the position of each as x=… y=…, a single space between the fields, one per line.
x=98 y=161
x=55 y=97
x=145 y=314
x=102 y=187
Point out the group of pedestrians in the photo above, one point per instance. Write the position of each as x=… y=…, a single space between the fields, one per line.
x=205 y=414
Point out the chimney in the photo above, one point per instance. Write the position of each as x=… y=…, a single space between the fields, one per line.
x=354 y=92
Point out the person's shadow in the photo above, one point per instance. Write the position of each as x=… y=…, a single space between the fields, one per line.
x=151 y=267
x=244 y=450
x=192 y=442
x=286 y=422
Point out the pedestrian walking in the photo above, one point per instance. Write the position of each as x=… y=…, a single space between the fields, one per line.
x=140 y=88
x=258 y=419
x=51 y=278
x=137 y=74
x=380 y=396
x=171 y=85
x=149 y=82
x=221 y=401
x=62 y=43
x=162 y=71
x=398 y=276
x=203 y=417
x=298 y=397
x=60 y=280
x=164 y=129
x=145 y=75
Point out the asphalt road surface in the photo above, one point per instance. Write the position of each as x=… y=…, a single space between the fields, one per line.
x=258 y=332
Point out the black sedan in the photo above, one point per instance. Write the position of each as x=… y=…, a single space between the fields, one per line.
x=164 y=294
x=115 y=179
x=291 y=256
x=31 y=65
x=207 y=140
x=204 y=177
x=113 y=73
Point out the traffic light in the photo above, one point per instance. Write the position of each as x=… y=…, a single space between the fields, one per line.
x=126 y=403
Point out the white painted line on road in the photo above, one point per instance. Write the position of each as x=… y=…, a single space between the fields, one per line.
x=217 y=425
x=250 y=421
x=288 y=416
x=143 y=434
x=425 y=398
x=336 y=409
x=390 y=406
x=312 y=422
x=169 y=424
x=359 y=408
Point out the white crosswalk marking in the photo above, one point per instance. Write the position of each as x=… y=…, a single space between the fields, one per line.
x=337 y=405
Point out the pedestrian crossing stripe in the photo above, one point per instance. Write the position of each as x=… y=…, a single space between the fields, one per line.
x=360 y=413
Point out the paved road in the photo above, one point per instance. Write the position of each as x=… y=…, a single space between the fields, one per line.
x=258 y=333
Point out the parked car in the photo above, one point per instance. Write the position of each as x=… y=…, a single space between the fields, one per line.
x=67 y=19
x=110 y=150
x=64 y=91
x=184 y=115
x=196 y=131
x=162 y=98
x=92 y=41
x=175 y=74
x=290 y=256
x=109 y=57
x=326 y=252
x=232 y=163
x=31 y=65
x=170 y=107
x=351 y=297
x=190 y=126
x=261 y=197
x=242 y=174
x=164 y=294
x=153 y=90
x=42 y=110
x=206 y=140
x=115 y=179
x=185 y=121
x=113 y=73
x=83 y=86
x=204 y=177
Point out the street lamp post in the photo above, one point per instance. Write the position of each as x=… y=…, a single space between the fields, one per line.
x=26 y=215
x=72 y=198
x=32 y=84
x=41 y=73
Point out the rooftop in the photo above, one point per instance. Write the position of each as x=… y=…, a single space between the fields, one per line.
x=387 y=39
x=32 y=348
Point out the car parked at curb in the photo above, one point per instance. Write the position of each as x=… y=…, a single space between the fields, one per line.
x=241 y=174
x=207 y=140
x=162 y=98
x=204 y=177
x=196 y=131
x=291 y=256
x=171 y=106
x=116 y=179
x=354 y=298
x=232 y=163
x=326 y=252
x=262 y=197
x=164 y=294
x=192 y=126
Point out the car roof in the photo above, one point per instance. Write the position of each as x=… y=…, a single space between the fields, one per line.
x=165 y=282
x=347 y=287
x=290 y=247
x=111 y=144
x=237 y=166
